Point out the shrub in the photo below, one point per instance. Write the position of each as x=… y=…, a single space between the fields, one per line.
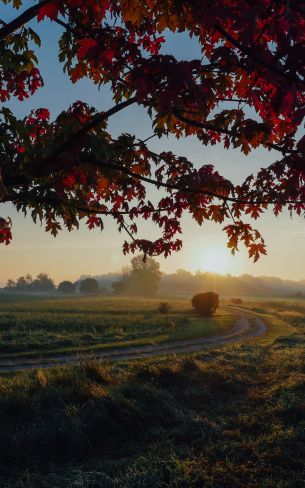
x=236 y=301
x=205 y=303
x=66 y=287
x=89 y=285
x=164 y=308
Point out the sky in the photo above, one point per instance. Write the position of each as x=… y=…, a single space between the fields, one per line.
x=86 y=252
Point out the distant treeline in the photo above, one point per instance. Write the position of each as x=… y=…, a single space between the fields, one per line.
x=185 y=283
x=44 y=284
x=144 y=278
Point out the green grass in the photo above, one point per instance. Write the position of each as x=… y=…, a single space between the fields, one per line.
x=30 y=327
x=224 y=418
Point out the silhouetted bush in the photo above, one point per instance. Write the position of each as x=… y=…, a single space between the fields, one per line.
x=66 y=287
x=89 y=285
x=164 y=308
x=236 y=301
x=205 y=303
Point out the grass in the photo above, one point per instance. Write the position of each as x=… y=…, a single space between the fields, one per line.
x=39 y=327
x=224 y=418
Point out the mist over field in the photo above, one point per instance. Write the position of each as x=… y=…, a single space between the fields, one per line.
x=186 y=283
x=181 y=283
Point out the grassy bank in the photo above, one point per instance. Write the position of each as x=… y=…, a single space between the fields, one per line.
x=37 y=327
x=232 y=417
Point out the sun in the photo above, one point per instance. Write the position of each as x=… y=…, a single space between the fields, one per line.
x=215 y=261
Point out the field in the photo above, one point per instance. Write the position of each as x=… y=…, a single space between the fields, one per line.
x=223 y=418
x=31 y=326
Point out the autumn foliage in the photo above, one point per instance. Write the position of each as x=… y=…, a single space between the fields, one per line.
x=71 y=168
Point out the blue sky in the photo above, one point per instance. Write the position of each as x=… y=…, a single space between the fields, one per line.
x=84 y=252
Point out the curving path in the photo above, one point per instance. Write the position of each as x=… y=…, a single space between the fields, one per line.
x=242 y=330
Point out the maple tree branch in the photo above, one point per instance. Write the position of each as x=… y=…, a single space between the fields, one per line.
x=42 y=165
x=97 y=120
x=190 y=191
x=230 y=212
x=237 y=100
x=148 y=138
x=146 y=179
x=22 y=19
x=65 y=26
x=254 y=57
x=128 y=212
x=22 y=196
x=127 y=230
x=221 y=130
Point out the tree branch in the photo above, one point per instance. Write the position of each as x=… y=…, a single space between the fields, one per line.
x=254 y=57
x=22 y=19
x=98 y=119
x=221 y=130
x=190 y=191
x=20 y=197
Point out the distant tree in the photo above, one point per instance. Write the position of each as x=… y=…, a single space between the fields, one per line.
x=205 y=303
x=89 y=285
x=143 y=278
x=236 y=301
x=22 y=284
x=10 y=284
x=29 y=279
x=43 y=283
x=66 y=287
x=19 y=285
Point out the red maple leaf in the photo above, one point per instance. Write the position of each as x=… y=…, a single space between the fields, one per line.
x=253 y=210
x=109 y=54
x=50 y=10
x=87 y=47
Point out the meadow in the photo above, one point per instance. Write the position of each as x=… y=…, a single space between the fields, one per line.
x=227 y=417
x=31 y=325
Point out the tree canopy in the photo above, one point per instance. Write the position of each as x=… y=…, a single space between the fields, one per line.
x=141 y=279
x=66 y=287
x=89 y=285
x=72 y=168
x=42 y=283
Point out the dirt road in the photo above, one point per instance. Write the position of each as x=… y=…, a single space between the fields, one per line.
x=242 y=330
